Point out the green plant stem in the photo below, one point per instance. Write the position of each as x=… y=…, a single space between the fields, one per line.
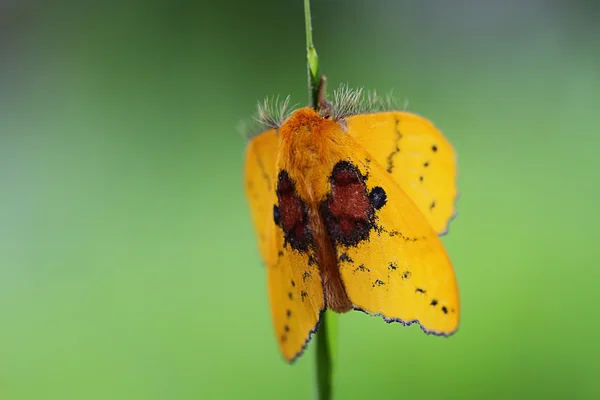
x=313 y=59
x=325 y=337
x=325 y=343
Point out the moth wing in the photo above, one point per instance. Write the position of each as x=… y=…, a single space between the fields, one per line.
x=400 y=270
x=261 y=155
x=418 y=157
x=293 y=279
x=296 y=293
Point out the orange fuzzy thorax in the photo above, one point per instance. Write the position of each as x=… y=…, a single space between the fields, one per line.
x=309 y=146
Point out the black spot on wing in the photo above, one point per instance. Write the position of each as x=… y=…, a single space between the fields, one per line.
x=378 y=282
x=305 y=276
x=346 y=258
x=393 y=233
x=378 y=197
x=361 y=268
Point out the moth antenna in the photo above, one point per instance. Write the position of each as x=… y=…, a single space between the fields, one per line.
x=390 y=101
x=406 y=105
x=347 y=102
x=372 y=102
x=273 y=112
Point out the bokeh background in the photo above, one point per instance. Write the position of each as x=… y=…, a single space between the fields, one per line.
x=128 y=263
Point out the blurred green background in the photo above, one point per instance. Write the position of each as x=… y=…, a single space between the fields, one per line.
x=128 y=264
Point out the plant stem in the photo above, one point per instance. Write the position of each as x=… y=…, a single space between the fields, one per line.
x=325 y=337
x=325 y=343
x=312 y=58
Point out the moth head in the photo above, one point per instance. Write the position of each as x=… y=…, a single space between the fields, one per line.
x=302 y=122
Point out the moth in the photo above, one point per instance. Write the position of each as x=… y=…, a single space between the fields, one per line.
x=347 y=204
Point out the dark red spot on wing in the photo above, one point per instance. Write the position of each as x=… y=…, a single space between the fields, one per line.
x=292 y=214
x=349 y=197
x=346 y=175
x=349 y=210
